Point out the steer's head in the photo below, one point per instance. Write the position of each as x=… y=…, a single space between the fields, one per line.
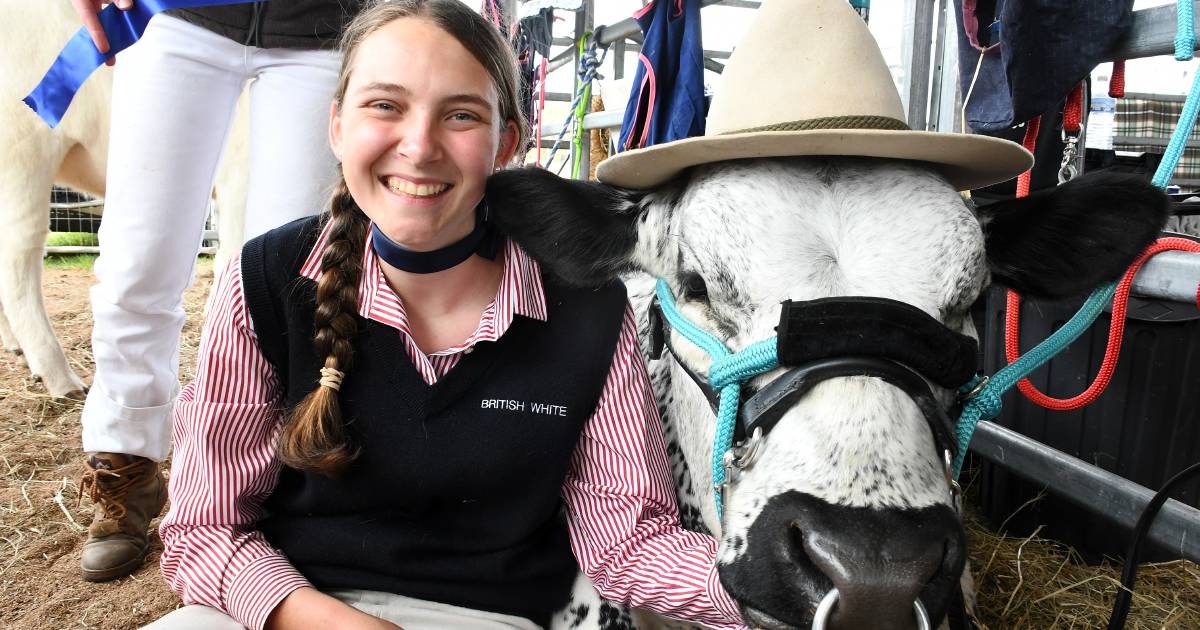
x=849 y=488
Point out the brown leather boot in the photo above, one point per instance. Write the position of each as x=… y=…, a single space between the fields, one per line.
x=129 y=491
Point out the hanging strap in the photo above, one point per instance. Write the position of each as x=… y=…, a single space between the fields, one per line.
x=1073 y=111
x=1174 y=151
x=1030 y=144
x=1185 y=30
x=1116 y=83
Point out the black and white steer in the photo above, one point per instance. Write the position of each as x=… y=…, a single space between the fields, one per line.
x=848 y=490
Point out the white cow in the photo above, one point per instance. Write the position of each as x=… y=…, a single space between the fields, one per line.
x=74 y=154
x=849 y=488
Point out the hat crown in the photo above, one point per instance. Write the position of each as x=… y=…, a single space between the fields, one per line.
x=834 y=69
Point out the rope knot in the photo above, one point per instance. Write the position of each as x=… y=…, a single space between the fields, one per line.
x=590 y=60
x=332 y=378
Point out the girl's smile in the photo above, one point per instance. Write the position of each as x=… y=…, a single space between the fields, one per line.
x=423 y=192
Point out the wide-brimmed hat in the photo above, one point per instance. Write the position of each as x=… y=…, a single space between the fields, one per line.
x=808 y=79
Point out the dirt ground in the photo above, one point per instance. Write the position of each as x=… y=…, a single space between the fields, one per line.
x=42 y=520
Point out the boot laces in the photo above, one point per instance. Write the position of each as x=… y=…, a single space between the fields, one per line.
x=109 y=487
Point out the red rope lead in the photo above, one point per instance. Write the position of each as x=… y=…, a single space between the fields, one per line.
x=1116 y=84
x=1030 y=143
x=1073 y=110
x=1115 y=331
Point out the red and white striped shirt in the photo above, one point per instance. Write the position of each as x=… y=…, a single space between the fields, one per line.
x=619 y=494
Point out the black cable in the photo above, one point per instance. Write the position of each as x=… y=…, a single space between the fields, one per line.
x=1129 y=574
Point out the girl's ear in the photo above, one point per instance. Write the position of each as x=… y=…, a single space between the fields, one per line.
x=335 y=131
x=509 y=140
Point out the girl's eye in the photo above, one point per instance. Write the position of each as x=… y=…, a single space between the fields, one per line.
x=463 y=117
x=382 y=106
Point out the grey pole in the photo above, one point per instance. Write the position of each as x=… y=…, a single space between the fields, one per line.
x=919 y=51
x=1111 y=496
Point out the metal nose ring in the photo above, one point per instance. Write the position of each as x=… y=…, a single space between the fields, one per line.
x=825 y=609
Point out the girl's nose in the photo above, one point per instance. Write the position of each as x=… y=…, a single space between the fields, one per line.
x=419 y=140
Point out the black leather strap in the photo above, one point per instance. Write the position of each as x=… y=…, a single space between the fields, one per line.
x=764 y=409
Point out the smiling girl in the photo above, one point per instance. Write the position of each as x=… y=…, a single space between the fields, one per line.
x=396 y=419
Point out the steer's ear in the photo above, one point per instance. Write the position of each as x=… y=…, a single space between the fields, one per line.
x=1068 y=240
x=582 y=232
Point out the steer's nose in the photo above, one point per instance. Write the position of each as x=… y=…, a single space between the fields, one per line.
x=800 y=547
x=874 y=592
x=879 y=560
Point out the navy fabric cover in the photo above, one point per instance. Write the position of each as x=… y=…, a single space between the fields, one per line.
x=1045 y=47
x=667 y=100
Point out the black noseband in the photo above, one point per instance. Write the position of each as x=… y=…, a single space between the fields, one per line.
x=875 y=327
x=765 y=408
x=849 y=336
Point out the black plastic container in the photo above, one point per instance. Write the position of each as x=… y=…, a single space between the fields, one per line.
x=1145 y=427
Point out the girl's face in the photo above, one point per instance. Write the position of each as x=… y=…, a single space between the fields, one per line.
x=418 y=133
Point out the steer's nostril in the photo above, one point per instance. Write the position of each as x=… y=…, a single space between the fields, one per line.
x=794 y=540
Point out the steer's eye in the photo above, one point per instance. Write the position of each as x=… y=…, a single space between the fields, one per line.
x=694 y=288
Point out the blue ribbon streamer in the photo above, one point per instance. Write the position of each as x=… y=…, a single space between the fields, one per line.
x=80 y=57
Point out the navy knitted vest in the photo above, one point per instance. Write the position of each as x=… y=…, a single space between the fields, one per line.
x=454 y=496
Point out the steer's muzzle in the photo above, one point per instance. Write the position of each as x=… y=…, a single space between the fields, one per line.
x=879 y=560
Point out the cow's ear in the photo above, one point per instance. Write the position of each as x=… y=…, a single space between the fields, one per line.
x=1068 y=240
x=582 y=232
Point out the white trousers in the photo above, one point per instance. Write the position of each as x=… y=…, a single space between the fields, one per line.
x=406 y=612
x=175 y=94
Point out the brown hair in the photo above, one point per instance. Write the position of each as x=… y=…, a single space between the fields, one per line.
x=313 y=437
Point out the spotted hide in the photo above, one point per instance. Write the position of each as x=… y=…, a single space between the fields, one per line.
x=848 y=489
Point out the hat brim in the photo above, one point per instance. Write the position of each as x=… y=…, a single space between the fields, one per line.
x=966 y=161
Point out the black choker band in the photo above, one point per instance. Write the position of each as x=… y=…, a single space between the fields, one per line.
x=482 y=240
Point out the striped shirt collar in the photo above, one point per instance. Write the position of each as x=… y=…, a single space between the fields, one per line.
x=520 y=292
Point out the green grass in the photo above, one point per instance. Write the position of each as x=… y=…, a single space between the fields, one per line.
x=82 y=262
x=76 y=239
x=85 y=262
x=71 y=261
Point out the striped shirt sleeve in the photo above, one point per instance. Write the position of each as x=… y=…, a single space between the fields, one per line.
x=224 y=466
x=622 y=513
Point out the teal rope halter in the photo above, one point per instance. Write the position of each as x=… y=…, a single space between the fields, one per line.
x=1185 y=31
x=727 y=373
x=983 y=394
x=730 y=370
